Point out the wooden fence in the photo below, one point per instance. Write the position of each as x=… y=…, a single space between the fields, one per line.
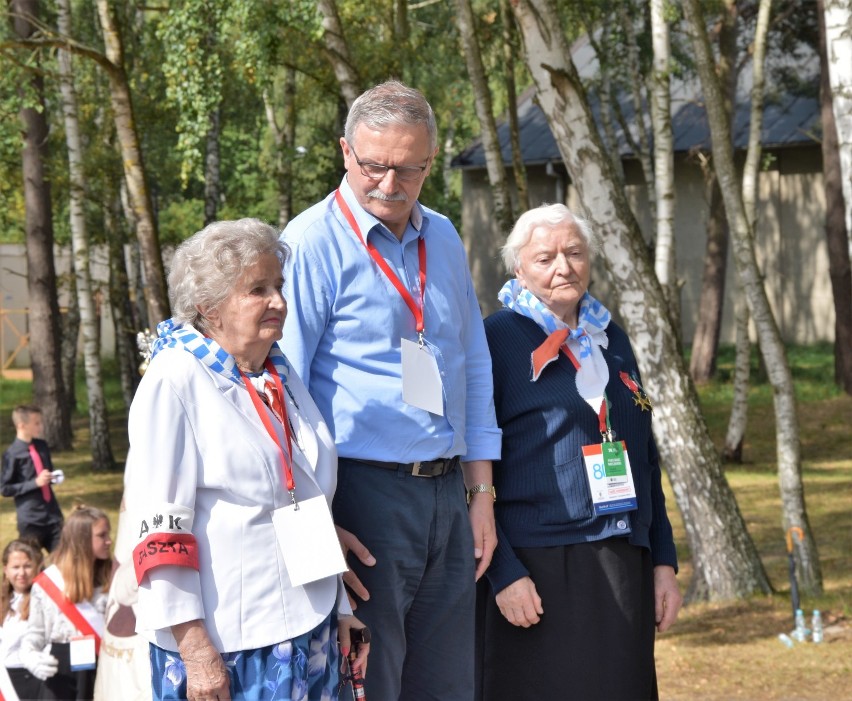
x=14 y=335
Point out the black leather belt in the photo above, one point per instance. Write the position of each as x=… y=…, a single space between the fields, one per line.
x=422 y=468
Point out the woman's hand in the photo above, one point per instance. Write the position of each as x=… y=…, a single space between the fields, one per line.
x=667 y=597
x=206 y=675
x=520 y=603
x=346 y=625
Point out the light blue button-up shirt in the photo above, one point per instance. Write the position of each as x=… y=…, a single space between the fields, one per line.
x=345 y=322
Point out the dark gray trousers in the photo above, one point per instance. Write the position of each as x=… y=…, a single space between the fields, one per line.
x=422 y=592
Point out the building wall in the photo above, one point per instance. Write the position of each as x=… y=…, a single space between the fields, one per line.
x=790 y=238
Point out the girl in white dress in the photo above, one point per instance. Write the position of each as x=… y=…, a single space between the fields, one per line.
x=68 y=603
x=21 y=563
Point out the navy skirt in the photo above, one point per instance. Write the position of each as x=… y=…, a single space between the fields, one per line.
x=595 y=640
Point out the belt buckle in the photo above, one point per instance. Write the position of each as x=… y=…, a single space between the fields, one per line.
x=415 y=470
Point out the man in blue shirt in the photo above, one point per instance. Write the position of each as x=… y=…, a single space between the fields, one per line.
x=385 y=330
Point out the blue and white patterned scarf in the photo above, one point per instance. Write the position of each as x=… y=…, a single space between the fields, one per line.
x=593 y=317
x=585 y=341
x=173 y=335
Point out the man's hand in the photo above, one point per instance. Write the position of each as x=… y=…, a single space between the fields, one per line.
x=520 y=603
x=43 y=478
x=350 y=543
x=206 y=675
x=481 y=512
x=667 y=597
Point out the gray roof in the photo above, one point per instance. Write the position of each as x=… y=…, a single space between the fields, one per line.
x=789 y=119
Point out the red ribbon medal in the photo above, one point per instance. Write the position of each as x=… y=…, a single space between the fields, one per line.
x=639 y=397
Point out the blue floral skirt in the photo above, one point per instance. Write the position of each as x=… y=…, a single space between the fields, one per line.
x=304 y=669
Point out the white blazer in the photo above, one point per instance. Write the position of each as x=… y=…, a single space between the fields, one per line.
x=196 y=442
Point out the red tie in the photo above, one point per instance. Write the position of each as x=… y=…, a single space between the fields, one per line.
x=39 y=468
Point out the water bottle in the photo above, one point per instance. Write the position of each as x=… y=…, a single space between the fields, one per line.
x=816 y=627
x=800 y=633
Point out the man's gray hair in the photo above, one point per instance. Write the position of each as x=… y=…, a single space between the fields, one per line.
x=549 y=216
x=391 y=104
x=208 y=264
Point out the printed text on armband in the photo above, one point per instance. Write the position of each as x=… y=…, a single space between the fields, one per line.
x=165 y=549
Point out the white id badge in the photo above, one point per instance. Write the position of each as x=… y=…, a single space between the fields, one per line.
x=82 y=652
x=421 y=379
x=308 y=541
x=610 y=478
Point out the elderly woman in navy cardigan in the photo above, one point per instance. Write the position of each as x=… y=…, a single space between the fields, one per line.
x=584 y=572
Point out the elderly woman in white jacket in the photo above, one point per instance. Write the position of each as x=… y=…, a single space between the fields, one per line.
x=229 y=479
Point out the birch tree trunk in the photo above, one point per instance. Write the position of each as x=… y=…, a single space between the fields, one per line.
x=139 y=197
x=751 y=169
x=603 y=50
x=634 y=68
x=705 y=340
x=726 y=563
x=738 y=419
x=509 y=50
x=837 y=234
x=711 y=303
x=483 y=245
x=44 y=343
x=284 y=137
x=771 y=346
x=838 y=44
x=134 y=265
x=663 y=173
x=120 y=298
x=337 y=51
x=102 y=457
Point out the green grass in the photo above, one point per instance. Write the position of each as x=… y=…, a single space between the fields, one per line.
x=730 y=650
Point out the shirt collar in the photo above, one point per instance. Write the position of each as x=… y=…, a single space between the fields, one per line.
x=367 y=222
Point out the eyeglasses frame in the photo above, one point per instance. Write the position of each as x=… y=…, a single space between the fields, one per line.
x=396 y=169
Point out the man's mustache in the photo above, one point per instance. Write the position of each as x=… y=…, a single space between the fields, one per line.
x=379 y=195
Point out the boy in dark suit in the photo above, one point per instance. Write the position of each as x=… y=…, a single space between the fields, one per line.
x=27 y=473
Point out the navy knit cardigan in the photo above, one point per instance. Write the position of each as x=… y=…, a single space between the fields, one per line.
x=543 y=495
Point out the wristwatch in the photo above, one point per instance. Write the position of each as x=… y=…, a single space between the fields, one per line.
x=480 y=489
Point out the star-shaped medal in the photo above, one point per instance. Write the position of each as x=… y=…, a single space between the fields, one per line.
x=641 y=400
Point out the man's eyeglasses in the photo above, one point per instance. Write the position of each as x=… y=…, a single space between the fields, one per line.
x=377 y=171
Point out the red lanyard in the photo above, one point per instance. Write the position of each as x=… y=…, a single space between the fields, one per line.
x=391 y=275
x=603 y=420
x=284 y=452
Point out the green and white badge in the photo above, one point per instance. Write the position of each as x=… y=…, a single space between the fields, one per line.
x=610 y=477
